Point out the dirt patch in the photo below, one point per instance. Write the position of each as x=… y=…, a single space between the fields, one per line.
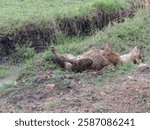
x=128 y=94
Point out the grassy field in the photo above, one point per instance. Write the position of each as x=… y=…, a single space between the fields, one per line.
x=34 y=83
x=123 y=37
x=17 y=13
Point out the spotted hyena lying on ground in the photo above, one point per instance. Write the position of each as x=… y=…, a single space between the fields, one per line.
x=96 y=59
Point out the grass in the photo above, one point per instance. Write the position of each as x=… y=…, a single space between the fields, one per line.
x=122 y=36
x=100 y=109
x=111 y=76
x=17 y=13
x=52 y=105
x=141 y=97
x=28 y=73
x=25 y=53
x=3 y=71
x=6 y=87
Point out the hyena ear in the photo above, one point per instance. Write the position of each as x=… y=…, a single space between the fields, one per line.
x=140 y=46
x=108 y=49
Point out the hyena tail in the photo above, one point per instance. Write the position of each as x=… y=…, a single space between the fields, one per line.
x=53 y=50
x=57 y=57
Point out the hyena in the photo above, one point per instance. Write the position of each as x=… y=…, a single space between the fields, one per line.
x=135 y=56
x=94 y=58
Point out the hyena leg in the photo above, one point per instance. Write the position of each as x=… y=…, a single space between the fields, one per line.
x=60 y=61
x=77 y=65
x=82 y=64
x=65 y=61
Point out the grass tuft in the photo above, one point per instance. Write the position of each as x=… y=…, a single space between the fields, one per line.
x=3 y=71
x=25 y=53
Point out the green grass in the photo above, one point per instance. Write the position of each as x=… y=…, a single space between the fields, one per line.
x=17 y=13
x=3 y=71
x=6 y=87
x=25 y=53
x=52 y=105
x=123 y=37
x=100 y=109
x=112 y=75
x=28 y=71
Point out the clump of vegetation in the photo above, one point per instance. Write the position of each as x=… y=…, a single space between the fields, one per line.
x=52 y=105
x=25 y=53
x=3 y=71
x=6 y=87
x=110 y=5
x=101 y=109
x=28 y=74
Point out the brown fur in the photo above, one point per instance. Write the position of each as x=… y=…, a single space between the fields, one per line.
x=95 y=59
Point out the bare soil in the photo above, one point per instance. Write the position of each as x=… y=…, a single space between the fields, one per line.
x=126 y=94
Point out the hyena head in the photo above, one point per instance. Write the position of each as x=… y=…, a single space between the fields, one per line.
x=136 y=54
